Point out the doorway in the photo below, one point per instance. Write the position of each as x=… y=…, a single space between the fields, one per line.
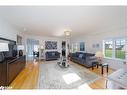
x=32 y=49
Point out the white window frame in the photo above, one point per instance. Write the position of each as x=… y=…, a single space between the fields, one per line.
x=113 y=49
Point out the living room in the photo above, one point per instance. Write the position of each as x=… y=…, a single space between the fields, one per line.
x=63 y=47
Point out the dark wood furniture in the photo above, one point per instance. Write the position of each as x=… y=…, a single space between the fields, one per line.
x=9 y=69
x=3 y=73
x=104 y=65
x=10 y=64
x=94 y=64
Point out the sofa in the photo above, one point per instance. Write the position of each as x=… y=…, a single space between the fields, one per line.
x=85 y=59
x=52 y=55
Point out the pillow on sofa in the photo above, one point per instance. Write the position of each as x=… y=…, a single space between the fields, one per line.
x=80 y=55
x=53 y=53
x=93 y=57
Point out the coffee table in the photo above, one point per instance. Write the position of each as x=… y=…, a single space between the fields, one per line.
x=104 y=65
x=94 y=64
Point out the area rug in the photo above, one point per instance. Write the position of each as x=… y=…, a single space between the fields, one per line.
x=52 y=76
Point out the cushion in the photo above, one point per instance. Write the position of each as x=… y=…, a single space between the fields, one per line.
x=80 y=55
x=73 y=54
x=90 y=54
x=92 y=57
x=53 y=53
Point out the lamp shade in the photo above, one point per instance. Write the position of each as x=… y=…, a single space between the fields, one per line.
x=36 y=48
x=67 y=33
x=41 y=47
x=99 y=54
x=4 y=47
x=20 y=47
x=124 y=48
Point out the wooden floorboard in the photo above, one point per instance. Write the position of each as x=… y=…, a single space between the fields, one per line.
x=28 y=78
x=100 y=83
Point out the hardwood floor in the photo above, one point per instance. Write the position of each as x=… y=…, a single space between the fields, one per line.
x=28 y=78
x=100 y=83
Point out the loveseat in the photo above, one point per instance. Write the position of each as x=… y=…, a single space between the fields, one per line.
x=84 y=59
x=52 y=55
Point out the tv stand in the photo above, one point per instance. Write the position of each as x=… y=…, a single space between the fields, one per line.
x=9 y=69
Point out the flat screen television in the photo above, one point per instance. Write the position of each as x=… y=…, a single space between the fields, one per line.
x=12 y=53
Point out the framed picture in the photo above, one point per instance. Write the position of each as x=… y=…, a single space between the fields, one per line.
x=19 y=40
x=97 y=45
x=50 y=45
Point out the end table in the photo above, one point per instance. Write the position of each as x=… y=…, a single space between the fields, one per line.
x=102 y=67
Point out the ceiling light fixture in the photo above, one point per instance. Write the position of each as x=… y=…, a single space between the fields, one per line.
x=67 y=32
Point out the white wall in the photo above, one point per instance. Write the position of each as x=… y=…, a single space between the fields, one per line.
x=98 y=38
x=7 y=31
x=43 y=39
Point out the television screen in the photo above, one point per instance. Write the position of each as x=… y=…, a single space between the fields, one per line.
x=12 y=51
x=12 y=48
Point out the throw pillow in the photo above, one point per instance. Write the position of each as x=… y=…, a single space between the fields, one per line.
x=92 y=57
x=80 y=55
x=53 y=54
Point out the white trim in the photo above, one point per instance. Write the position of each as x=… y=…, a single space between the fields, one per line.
x=113 y=49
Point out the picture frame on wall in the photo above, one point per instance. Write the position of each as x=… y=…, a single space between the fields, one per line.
x=19 y=40
x=50 y=45
x=97 y=45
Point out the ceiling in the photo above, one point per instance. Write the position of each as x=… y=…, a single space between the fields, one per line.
x=54 y=20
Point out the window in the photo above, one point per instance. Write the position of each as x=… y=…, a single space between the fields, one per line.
x=113 y=48
x=119 y=43
x=108 y=48
x=75 y=47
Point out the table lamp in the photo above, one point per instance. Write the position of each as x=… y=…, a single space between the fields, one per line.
x=20 y=49
x=99 y=56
